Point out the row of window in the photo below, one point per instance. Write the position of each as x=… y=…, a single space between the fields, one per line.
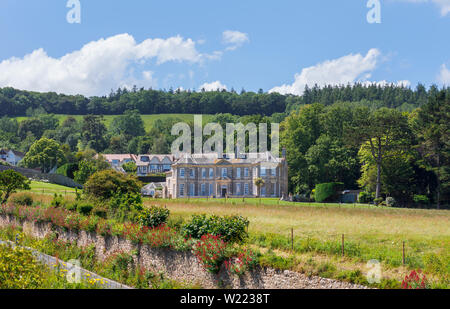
x=224 y=174
x=208 y=190
x=154 y=168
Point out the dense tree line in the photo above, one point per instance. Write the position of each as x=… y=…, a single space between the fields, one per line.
x=15 y=102
x=386 y=152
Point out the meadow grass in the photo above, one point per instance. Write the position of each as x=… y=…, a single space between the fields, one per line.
x=370 y=232
x=147 y=119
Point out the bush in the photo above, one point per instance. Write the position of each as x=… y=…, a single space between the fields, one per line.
x=327 y=192
x=365 y=197
x=153 y=216
x=390 y=201
x=68 y=170
x=58 y=201
x=230 y=228
x=125 y=207
x=421 y=199
x=378 y=201
x=100 y=212
x=20 y=269
x=108 y=183
x=84 y=208
x=24 y=199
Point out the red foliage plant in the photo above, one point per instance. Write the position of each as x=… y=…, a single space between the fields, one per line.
x=415 y=280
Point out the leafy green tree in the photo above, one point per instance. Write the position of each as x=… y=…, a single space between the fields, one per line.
x=397 y=177
x=93 y=132
x=385 y=130
x=432 y=126
x=32 y=125
x=88 y=164
x=9 y=125
x=45 y=154
x=10 y=182
x=130 y=167
x=130 y=123
x=108 y=183
x=259 y=182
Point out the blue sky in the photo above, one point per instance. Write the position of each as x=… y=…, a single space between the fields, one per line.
x=274 y=45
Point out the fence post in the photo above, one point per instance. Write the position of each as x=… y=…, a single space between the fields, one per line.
x=403 y=254
x=292 y=239
x=343 y=245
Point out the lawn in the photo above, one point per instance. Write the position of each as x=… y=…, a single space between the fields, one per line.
x=148 y=119
x=369 y=232
x=49 y=188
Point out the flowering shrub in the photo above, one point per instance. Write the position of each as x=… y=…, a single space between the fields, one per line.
x=153 y=216
x=104 y=227
x=246 y=260
x=231 y=228
x=415 y=280
x=210 y=251
x=73 y=222
x=19 y=269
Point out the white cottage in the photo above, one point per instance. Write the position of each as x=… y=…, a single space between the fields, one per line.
x=11 y=157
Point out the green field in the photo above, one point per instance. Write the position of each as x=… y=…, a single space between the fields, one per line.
x=148 y=119
x=370 y=232
x=49 y=188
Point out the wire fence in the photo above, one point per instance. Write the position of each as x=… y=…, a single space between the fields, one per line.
x=72 y=269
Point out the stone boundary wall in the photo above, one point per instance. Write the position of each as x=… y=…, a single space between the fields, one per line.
x=51 y=178
x=181 y=266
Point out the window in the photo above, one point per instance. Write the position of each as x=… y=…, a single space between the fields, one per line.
x=224 y=172
x=246 y=189
x=246 y=172
x=263 y=171
x=238 y=189
x=192 y=189
x=145 y=159
x=167 y=167
x=274 y=193
x=192 y=173
x=211 y=189
x=203 y=173
x=263 y=191
x=274 y=171
x=154 y=167
x=203 y=189
x=115 y=162
x=211 y=173
x=182 y=189
x=238 y=172
x=181 y=172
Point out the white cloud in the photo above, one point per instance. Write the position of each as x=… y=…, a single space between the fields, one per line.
x=444 y=75
x=98 y=66
x=217 y=85
x=444 y=5
x=344 y=70
x=234 y=38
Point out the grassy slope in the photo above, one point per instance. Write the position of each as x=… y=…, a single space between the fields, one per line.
x=49 y=188
x=370 y=233
x=148 y=119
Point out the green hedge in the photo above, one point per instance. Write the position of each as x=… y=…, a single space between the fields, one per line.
x=68 y=170
x=328 y=192
x=230 y=228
